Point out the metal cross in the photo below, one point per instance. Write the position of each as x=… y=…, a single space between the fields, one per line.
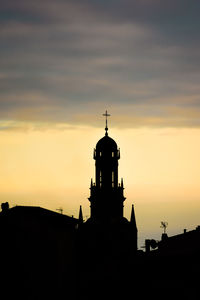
x=106 y=115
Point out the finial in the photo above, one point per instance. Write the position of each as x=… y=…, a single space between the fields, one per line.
x=106 y=115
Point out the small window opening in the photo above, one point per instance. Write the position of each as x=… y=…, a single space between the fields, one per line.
x=113 y=178
x=100 y=177
x=113 y=154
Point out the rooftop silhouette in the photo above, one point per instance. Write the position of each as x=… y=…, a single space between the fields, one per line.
x=49 y=255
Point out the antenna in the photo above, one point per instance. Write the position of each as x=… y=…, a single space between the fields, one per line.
x=60 y=210
x=164 y=226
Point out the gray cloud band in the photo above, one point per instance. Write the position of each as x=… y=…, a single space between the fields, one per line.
x=62 y=60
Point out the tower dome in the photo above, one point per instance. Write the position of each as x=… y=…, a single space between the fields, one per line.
x=106 y=143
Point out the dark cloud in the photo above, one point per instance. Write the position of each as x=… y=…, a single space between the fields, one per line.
x=62 y=60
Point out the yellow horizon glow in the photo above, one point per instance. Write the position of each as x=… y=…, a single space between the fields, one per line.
x=52 y=168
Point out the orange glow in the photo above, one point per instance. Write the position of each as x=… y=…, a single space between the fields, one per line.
x=52 y=168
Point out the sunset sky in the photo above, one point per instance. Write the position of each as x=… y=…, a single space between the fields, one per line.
x=62 y=64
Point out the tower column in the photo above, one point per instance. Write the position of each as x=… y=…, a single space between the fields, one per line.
x=107 y=194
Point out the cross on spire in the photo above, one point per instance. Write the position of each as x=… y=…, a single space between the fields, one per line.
x=106 y=115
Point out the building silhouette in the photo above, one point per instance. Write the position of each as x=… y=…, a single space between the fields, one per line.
x=108 y=254
x=37 y=253
x=107 y=241
x=49 y=255
x=107 y=228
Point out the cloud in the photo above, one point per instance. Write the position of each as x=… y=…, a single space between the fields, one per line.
x=62 y=61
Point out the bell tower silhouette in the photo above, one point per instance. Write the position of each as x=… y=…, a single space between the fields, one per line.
x=107 y=228
x=106 y=194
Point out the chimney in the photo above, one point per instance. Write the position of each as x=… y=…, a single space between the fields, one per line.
x=4 y=206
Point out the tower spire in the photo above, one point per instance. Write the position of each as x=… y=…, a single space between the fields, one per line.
x=80 y=215
x=133 y=220
x=106 y=115
x=122 y=183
